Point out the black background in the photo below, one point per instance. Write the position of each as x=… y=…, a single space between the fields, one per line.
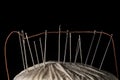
x=35 y=18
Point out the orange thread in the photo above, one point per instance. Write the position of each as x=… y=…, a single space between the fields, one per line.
x=56 y=32
x=6 y=66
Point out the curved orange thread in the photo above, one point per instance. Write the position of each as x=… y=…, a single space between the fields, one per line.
x=56 y=32
x=115 y=59
x=6 y=66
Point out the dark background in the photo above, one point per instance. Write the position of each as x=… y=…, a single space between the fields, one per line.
x=35 y=19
